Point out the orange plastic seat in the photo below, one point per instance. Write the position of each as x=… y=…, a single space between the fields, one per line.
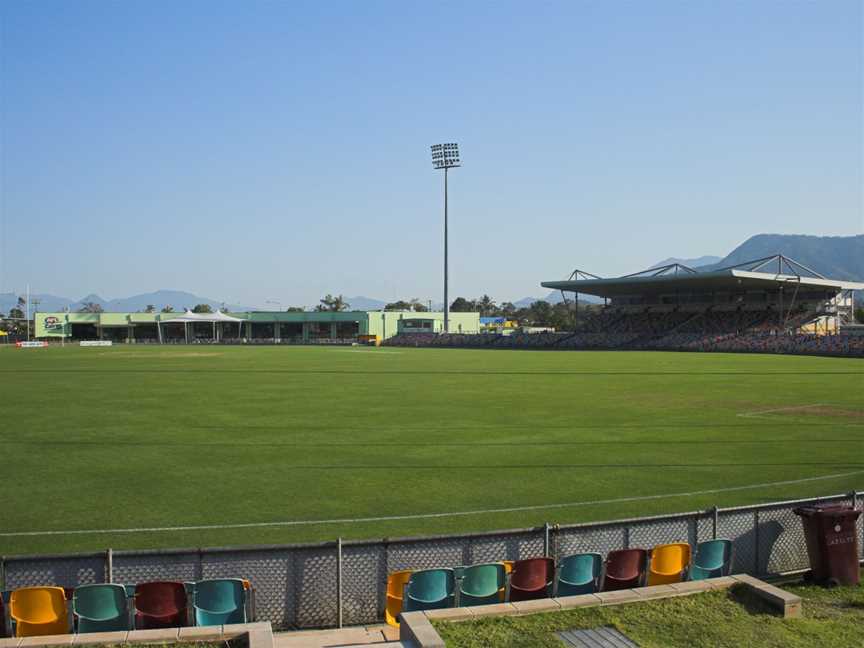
x=669 y=563
x=395 y=585
x=39 y=611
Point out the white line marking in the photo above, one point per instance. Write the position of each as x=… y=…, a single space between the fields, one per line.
x=781 y=409
x=423 y=516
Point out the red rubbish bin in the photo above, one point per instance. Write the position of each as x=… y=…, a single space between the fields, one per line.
x=832 y=543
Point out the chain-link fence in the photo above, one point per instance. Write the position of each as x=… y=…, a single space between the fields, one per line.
x=334 y=583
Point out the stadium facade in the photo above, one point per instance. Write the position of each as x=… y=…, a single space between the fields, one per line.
x=259 y=326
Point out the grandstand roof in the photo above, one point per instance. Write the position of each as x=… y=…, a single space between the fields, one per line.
x=678 y=278
x=189 y=316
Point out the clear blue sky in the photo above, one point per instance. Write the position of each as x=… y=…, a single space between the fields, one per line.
x=248 y=151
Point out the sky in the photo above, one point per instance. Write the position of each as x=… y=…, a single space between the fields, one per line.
x=276 y=151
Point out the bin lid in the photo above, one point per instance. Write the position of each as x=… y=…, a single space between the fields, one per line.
x=834 y=510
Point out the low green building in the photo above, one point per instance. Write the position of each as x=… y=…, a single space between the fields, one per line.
x=255 y=326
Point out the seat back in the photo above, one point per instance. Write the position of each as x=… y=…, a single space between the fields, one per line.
x=532 y=573
x=625 y=564
x=431 y=585
x=396 y=582
x=580 y=569
x=219 y=601
x=38 y=605
x=160 y=598
x=671 y=558
x=102 y=602
x=483 y=580
x=39 y=611
x=713 y=554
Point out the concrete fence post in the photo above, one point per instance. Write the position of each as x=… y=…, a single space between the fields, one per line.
x=546 y=539
x=756 y=541
x=109 y=565
x=339 y=582
x=715 y=517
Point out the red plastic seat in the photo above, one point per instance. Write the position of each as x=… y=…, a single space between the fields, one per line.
x=625 y=568
x=531 y=579
x=161 y=604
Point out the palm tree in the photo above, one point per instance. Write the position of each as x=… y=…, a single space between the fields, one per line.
x=487 y=305
x=334 y=304
x=168 y=309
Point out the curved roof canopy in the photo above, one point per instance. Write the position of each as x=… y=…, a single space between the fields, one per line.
x=750 y=275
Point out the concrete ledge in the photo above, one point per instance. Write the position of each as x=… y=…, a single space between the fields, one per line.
x=450 y=614
x=258 y=635
x=537 y=606
x=578 y=601
x=789 y=605
x=496 y=609
x=616 y=597
x=655 y=592
x=415 y=627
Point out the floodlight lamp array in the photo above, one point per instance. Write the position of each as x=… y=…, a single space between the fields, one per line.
x=445 y=156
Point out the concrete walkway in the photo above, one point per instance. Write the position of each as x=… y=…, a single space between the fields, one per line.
x=378 y=635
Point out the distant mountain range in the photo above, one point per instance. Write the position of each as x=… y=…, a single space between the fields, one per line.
x=837 y=257
x=178 y=300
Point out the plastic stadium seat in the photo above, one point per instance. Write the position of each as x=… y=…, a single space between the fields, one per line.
x=101 y=608
x=713 y=558
x=39 y=611
x=396 y=583
x=160 y=604
x=669 y=563
x=219 y=601
x=579 y=574
x=429 y=589
x=624 y=569
x=481 y=584
x=531 y=579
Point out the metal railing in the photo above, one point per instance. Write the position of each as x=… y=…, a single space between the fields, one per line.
x=329 y=584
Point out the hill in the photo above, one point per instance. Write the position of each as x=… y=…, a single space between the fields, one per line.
x=837 y=257
x=690 y=263
x=178 y=300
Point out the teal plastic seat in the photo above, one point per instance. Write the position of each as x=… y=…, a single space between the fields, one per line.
x=481 y=584
x=430 y=589
x=101 y=608
x=713 y=558
x=579 y=574
x=219 y=601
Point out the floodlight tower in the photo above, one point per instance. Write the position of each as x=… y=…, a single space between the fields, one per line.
x=446 y=156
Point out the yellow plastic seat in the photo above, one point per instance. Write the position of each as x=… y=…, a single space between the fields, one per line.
x=395 y=585
x=508 y=567
x=39 y=611
x=669 y=563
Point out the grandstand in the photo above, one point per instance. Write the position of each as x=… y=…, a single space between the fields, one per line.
x=769 y=305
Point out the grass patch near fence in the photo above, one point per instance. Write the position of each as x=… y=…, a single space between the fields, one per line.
x=832 y=618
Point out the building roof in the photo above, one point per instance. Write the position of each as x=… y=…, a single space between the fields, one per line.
x=677 y=278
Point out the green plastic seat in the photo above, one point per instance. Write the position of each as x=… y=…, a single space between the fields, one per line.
x=101 y=608
x=713 y=558
x=481 y=584
x=579 y=574
x=219 y=601
x=430 y=589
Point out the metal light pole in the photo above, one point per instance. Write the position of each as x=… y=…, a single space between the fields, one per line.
x=446 y=156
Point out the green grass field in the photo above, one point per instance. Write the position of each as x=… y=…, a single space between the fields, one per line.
x=149 y=437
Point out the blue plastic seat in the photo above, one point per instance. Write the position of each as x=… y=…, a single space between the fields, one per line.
x=713 y=558
x=219 y=601
x=580 y=574
x=430 y=589
x=101 y=608
x=481 y=584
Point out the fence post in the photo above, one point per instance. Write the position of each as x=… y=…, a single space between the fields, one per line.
x=756 y=542
x=627 y=537
x=854 y=499
x=2 y=573
x=546 y=539
x=109 y=565
x=714 y=519
x=339 y=582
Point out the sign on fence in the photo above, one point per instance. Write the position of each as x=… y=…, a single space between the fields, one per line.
x=31 y=345
x=95 y=343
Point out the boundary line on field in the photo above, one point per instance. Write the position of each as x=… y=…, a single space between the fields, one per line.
x=422 y=516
